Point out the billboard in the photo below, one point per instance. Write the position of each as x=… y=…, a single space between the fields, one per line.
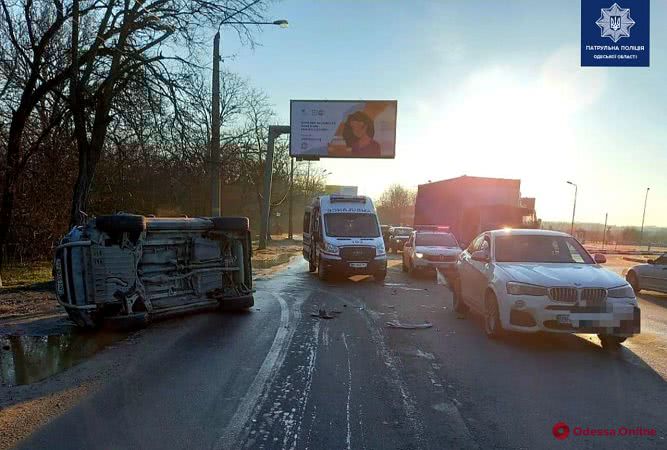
x=343 y=128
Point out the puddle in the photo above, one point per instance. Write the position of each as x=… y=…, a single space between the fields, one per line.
x=27 y=359
x=268 y=263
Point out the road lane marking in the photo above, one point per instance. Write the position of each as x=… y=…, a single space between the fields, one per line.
x=462 y=436
x=303 y=403
x=233 y=433
x=349 y=391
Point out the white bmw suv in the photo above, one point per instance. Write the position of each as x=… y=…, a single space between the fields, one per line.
x=539 y=280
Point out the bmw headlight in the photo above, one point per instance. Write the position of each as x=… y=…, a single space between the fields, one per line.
x=515 y=288
x=621 y=292
x=379 y=249
x=330 y=248
x=419 y=255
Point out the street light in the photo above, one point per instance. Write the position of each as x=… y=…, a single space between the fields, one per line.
x=574 y=208
x=641 y=233
x=214 y=156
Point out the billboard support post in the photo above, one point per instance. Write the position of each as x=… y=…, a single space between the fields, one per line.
x=274 y=132
x=290 y=233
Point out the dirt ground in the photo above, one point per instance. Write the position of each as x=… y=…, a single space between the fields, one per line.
x=620 y=248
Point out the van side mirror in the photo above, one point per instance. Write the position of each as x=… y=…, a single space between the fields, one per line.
x=481 y=256
x=651 y=261
x=599 y=258
x=407 y=244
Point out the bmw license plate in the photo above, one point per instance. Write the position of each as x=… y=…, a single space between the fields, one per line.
x=60 y=288
x=564 y=319
x=358 y=265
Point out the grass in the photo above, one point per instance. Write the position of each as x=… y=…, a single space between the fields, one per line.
x=25 y=275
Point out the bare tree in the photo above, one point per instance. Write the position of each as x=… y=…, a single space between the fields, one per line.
x=31 y=38
x=134 y=39
x=396 y=204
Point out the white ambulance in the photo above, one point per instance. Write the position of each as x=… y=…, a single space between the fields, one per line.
x=341 y=234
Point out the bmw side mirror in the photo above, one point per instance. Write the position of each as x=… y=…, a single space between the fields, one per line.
x=481 y=256
x=600 y=258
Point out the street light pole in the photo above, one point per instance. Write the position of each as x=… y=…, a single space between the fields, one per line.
x=604 y=233
x=641 y=233
x=214 y=147
x=214 y=157
x=574 y=207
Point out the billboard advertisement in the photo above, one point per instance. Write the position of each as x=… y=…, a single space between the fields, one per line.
x=343 y=128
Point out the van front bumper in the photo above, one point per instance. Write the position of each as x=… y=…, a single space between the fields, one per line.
x=339 y=265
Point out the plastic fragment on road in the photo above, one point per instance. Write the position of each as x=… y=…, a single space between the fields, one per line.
x=408 y=326
x=442 y=280
x=323 y=314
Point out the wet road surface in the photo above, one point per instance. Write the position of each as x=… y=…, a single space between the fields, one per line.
x=278 y=377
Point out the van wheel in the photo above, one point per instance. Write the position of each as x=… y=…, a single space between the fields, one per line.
x=322 y=272
x=121 y=223
x=311 y=266
x=380 y=276
x=492 y=325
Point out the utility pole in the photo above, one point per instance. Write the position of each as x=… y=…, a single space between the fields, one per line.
x=214 y=147
x=641 y=233
x=274 y=132
x=604 y=235
x=214 y=156
x=574 y=207
x=290 y=233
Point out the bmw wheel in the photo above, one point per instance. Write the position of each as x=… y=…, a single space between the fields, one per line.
x=459 y=304
x=492 y=325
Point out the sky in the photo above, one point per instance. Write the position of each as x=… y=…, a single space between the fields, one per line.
x=484 y=88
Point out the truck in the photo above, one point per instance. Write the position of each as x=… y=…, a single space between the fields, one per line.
x=132 y=268
x=472 y=205
x=341 y=235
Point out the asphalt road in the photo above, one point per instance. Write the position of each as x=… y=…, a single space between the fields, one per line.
x=279 y=378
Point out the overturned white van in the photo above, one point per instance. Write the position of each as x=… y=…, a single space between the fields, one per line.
x=134 y=268
x=341 y=235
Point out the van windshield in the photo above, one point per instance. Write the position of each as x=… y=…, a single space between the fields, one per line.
x=351 y=225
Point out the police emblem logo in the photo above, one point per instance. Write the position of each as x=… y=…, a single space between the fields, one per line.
x=615 y=22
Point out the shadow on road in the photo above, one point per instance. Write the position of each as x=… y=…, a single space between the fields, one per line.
x=654 y=298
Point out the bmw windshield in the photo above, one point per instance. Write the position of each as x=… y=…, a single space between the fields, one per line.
x=540 y=249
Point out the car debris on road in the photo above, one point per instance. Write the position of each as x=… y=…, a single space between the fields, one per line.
x=408 y=326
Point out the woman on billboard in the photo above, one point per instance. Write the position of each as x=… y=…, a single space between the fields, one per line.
x=358 y=134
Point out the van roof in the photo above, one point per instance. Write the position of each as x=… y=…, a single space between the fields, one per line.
x=359 y=203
